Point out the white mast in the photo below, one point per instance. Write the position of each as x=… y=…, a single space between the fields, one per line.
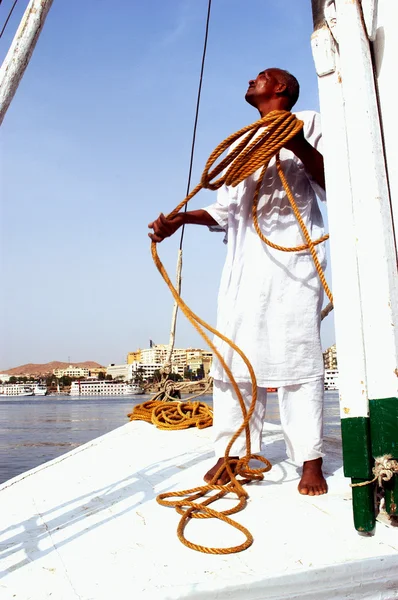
x=364 y=267
x=21 y=50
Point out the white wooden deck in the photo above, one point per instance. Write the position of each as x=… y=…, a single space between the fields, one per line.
x=87 y=526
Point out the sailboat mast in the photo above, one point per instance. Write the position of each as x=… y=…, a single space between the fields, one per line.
x=362 y=243
x=20 y=52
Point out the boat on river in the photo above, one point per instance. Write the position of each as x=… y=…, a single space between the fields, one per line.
x=331 y=379
x=16 y=390
x=104 y=387
x=40 y=389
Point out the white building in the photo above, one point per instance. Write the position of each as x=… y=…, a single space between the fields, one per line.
x=4 y=377
x=72 y=371
x=122 y=372
x=153 y=359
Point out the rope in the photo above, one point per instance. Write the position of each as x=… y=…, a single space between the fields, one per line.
x=8 y=18
x=384 y=470
x=253 y=151
x=173 y=415
x=167 y=365
x=169 y=388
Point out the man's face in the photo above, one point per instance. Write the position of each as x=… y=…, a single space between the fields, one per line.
x=261 y=88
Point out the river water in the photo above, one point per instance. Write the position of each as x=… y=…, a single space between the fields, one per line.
x=37 y=429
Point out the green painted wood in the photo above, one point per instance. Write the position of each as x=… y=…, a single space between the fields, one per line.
x=357 y=455
x=363 y=505
x=384 y=426
x=391 y=495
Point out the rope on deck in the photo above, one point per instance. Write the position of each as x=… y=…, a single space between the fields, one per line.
x=173 y=415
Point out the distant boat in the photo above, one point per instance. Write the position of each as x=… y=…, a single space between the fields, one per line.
x=16 y=390
x=105 y=388
x=331 y=379
x=40 y=389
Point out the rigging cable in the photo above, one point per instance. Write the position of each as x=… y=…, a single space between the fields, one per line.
x=197 y=112
x=8 y=17
x=167 y=366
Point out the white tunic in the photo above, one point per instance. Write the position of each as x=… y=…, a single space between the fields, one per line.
x=270 y=301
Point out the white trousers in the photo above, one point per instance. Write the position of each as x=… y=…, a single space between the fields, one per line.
x=301 y=414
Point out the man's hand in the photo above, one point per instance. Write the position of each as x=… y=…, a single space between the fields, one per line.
x=163 y=228
x=309 y=156
x=297 y=144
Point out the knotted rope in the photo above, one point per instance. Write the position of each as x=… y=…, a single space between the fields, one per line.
x=252 y=152
x=169 y=387
x=384 y=469
x=180 y=415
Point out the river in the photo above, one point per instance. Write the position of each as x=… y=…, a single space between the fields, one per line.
x=37 y=429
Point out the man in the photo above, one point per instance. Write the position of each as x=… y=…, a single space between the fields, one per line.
x=270 y=301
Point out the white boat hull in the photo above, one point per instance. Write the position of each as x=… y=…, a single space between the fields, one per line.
x=22 y=395
x=15 y=390
x=86 y=526
x=104 y=388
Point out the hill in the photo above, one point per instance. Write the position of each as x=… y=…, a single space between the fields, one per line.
x=42 y=369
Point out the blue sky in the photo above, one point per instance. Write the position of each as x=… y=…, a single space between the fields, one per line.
x=96 y=143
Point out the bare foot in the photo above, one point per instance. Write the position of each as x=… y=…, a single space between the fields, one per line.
x=312 y=482
x=223 y=478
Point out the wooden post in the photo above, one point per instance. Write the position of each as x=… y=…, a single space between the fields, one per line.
x=370 y=427
x=354 y=408
x=384 y=413
x=376 y=250
x=21 y=50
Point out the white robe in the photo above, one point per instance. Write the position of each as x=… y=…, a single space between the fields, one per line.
x=269 y=301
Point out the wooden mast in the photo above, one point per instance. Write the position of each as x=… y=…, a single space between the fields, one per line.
x=364 y=268
x=20 y=52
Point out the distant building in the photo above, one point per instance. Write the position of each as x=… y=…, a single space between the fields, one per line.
x=133 y=357
x=72 y=371
x=152 y=359
x=4 y=377
x=145 y=370
x=97 y=370
x=330 y=358
x=122 y=372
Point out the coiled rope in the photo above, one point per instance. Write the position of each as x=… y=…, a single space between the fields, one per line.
x=173 y=415
x=164 y=411
x=262 y=140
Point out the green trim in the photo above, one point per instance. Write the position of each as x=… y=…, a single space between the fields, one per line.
x=355 y=433
x=363 y=505
x=384 y=426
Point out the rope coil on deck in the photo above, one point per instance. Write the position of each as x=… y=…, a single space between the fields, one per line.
x=384 y=470
x=262 y=140
x=173 y=415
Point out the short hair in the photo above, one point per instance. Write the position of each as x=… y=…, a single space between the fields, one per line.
x=292 y=85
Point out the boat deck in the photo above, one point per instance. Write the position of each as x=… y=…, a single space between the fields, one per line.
x=87 y=526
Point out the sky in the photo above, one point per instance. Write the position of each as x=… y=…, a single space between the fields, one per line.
x=96 y=143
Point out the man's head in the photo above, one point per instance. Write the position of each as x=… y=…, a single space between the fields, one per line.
x=275 y=88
